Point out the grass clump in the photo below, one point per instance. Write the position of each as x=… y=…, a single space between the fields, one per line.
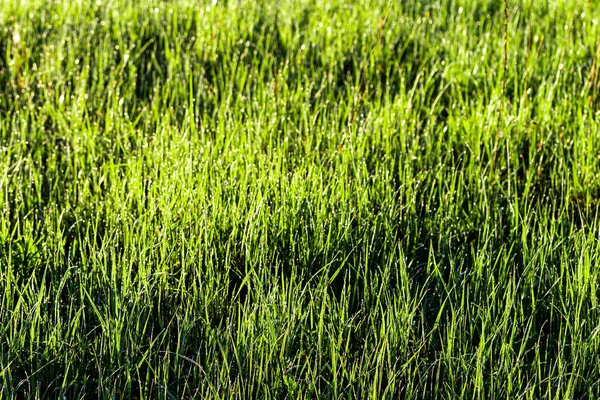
x=238 y=199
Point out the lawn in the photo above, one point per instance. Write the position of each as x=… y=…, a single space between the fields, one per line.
x=324 y=199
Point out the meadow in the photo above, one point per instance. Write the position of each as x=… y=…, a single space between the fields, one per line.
x=324 y=199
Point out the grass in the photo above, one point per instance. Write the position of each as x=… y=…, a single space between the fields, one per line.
x=307 y=199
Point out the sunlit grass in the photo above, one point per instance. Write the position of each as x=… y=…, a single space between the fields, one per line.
x=307 y=199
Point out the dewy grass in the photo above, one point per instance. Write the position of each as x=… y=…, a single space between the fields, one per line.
x=299 y=199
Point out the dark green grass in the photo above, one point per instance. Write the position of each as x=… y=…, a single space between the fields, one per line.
x=307 y=199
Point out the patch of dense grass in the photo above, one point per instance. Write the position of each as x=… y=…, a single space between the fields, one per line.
x=306 y=199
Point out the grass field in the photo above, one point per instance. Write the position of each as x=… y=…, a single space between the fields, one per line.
x=300 y=199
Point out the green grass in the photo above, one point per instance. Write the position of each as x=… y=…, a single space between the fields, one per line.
x=299 y=199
